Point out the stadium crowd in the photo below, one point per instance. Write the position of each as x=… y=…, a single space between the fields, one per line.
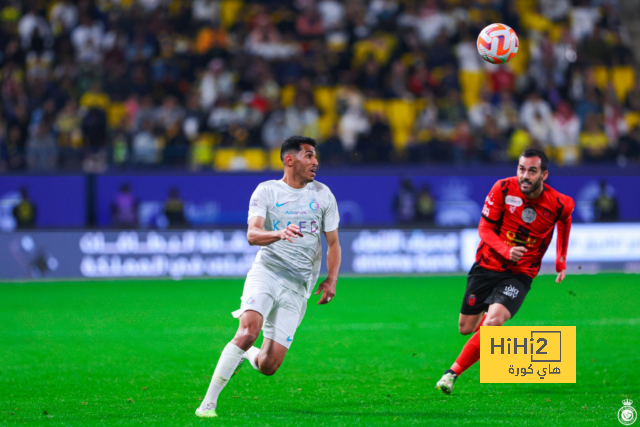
x=91 y=85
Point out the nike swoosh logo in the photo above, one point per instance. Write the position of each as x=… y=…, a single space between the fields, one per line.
x=289 y=339
x=280 y=204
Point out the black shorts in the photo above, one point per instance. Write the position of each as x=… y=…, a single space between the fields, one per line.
x=486 y=287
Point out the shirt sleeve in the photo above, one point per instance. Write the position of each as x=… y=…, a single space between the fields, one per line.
x=331 y=217
x=564 y=229
x=494 y=203
x=259 y=202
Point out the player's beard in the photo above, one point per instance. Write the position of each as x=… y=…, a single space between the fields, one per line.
x=534 y=186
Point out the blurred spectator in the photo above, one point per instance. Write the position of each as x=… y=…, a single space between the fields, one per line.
x=176 y=146
x=426 y=205
x=244 y=75
x=302 y=117
x=275 y=129
x=405 y=201
x=174 y=210
x=124 y=209
x=534 y=111
x=353 y=123
x=593 y=141
x=215 y=83
x=565 y=131
x=331 y=152
x=25 y=212
x=42 y=150
x=374 y=144
x=145 y=147
x=605 y=207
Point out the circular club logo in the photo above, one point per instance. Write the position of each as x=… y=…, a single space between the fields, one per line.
x=250 y=301
x=627 y=415
x=528 y=215
x=314 y=206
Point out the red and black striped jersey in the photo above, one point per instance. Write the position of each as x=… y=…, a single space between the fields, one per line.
x=510 y=219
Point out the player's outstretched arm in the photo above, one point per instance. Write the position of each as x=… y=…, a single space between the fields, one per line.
x=258 y=236
x=564 y=229
x=334 y=258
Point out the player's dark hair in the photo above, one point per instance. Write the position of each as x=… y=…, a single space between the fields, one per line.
x=534 y=152
x=294 y=143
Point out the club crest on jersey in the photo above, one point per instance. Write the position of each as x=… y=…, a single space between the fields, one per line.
x=314 y=206
x=472 y=300
x=529 y=215
x=546 y=213
x=513 y=201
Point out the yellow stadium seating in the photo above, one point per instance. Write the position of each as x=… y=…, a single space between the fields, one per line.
x=116 y=111
x=401 y=114
x=325 y=98
x=632 y=119
x=624 y=79
x=471 y=84
x=374 y=106
x=251 y=159
x=274 y=159
x=256 y=159
x=601 y=75
x=229 y=11
x=325 y=125
x=287 y=95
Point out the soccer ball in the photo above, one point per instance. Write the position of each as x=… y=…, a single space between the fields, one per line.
x=497 y=44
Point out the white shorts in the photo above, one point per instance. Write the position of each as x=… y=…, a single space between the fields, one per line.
x=280 y=307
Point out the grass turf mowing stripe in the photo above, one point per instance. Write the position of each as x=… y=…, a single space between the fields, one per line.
x=125 y=352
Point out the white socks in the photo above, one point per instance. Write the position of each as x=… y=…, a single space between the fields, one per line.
x=227 y=364
x=251 y=355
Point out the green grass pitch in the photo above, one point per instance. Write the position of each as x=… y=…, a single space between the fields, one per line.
x=142 y=352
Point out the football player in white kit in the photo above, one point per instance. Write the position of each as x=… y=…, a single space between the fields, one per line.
x=287 y=218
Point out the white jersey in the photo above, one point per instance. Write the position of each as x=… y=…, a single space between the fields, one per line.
x=313 y=209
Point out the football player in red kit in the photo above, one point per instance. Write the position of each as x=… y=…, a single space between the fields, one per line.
x=516 y=228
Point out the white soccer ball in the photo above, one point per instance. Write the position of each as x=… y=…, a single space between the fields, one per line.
x=498 y=43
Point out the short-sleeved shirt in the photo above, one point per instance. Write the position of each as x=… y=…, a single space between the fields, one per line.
x=313 y=209
x=519 y=221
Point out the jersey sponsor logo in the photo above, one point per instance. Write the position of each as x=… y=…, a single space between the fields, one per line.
x=295 y=213
x=512 y=209
x=250 y=301
x=520 y=238
x=314 y=206
x=513 y=201
x=254 y=203
x=281 y=204
x=308 y=226
x=511 y=291
x=489 y=200
x=485 y=211
x=472 y=300
x=529 y=215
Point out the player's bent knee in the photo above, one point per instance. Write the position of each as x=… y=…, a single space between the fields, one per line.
x=246 y=338
x=496 y=320
x=465 y=329
x=269 y=367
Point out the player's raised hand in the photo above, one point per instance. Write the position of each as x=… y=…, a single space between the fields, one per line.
x=328 y=289
x=290 y=233
x=516 y=253
x=561 y=276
